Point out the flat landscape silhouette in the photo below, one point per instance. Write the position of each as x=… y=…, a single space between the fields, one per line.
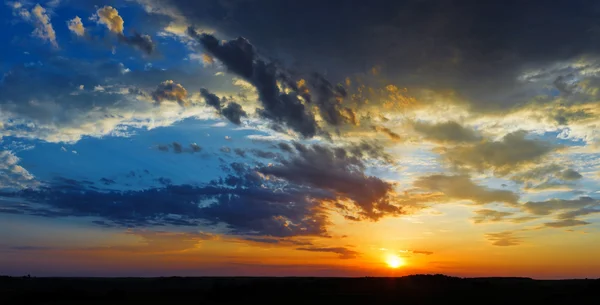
x=416 y=289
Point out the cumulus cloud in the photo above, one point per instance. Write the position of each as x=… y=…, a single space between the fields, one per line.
x=109 y=16
x=12 y=175
x=344 y=253
x=211 y=99
x=43 y=27
x=446 y=132
x=232 y=112
x=503 y=157
x=461 y=187
x=170 y=91
x=76 y=26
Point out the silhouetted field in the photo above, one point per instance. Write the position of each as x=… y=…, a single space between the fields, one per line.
x=418 y=289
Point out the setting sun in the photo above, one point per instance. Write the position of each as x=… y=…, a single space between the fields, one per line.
x=393 y=261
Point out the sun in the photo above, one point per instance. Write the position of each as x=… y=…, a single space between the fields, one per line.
x=394 y=261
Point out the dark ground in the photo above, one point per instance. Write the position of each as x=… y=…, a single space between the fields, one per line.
x=418 y=289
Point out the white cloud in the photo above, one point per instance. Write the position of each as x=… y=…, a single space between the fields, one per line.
x=12 y=175
x=76 y=26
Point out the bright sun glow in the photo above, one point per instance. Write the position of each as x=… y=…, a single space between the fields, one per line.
x=393 y=261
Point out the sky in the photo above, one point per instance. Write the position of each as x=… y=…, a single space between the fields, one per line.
x=305 y=138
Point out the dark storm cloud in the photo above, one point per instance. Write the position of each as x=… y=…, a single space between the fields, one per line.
x=264 y=154
x=285 y=147
x=241 y=202
x=233 y=111
x=211 y=99
x=340 y=171
x=476 y=47
x=327 y=98
x=344 y=253
x=240 y=57
x=141 y=42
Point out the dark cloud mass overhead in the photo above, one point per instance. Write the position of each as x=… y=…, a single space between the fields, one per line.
x=474 y=46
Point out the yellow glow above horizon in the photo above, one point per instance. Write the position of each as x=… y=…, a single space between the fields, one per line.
x=394 y=261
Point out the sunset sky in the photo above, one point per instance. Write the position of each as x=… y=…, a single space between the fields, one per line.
x=300 y=138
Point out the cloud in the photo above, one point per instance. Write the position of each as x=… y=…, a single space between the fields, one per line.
x=590 y=209
x=503 y=157
x=388 y=132
x=142 y=42
x=232 y=112
x=41 y=20
x=553 y=205
x=62 y=110
x=170 y=91
x=546 y=177
x=343 y=252
x=109 y=16
x=277 y=241
x=461 y=187
x=566 y=223
x=245 y=203
x=195 y=147
x=487 y=215
x=504 y=239
x=446 y=132
x=179 y=148
x=481 y=68
x=76 y=26
x=211 y=99
x=340 y=171
x=240 y=57
x=421 y=252
x=569 y=175
x=12 y=175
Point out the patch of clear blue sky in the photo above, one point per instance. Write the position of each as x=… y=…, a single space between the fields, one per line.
x=116 y=158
